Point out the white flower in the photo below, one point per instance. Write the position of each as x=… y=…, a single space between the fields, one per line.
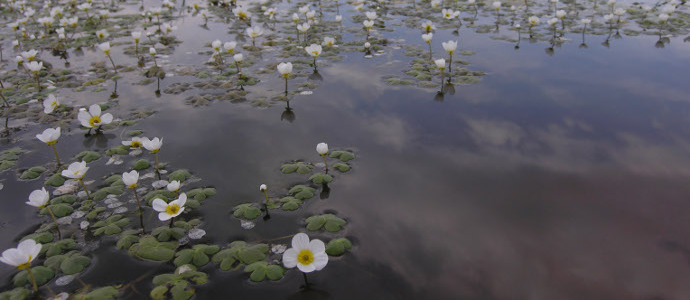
x=39 y=198
x=663 y=17
x=322 y=148
x=311 y=14
x=427 y=37
x=338 y=18
x=552 y=21
x=472 y=2
x=435 y=3
x=303 y=9
x=496 y=5
x=586 y=21
x=517 y=26
x=328 y=41
x=136 y=35
x=303 y=28
x=50 y=104
x=254 y=31
x=238 y=57
x=619 y=12
x=368 y=24
x=216 y=45
x=173 y=186
x=560 y=14
x=262 y=188
x=314 y=50
x=49 y=136
x=307 y=256
x=75 y=170
x=136 y=142
x=449 y=13
x=428 y=26
x=285 y=69
x=166 y=211
x=130 y=179
x=154 y=145
x=241 y=13
x=611 y=2
x=295 y=18
x=371 y=15
x=34 y=66
x=21 y=257
x=440 y=63
x=367 y=45
x=230 y=46
x=270 y=13
x=102 y=34
x=608 y=17
x=152 y=51
x=105 y=47
x=93 y=118
x=450 y=46
x=533 y=20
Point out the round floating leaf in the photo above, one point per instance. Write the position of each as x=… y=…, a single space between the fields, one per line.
x=55 y=180
x=298 y=166
x=247 y=211
x=110 y=190
x=200 y=194
x=158 y=293
x=198 y=255
x=302 y=192
x=329 y=222
x=341 y=167
x=19 y=293
x=344 y=156
x=141 y=164
x=290 y=203
x=104 y=293
x=41 y=238
x=179 y=175
x=165 y=233
x=337 y=247
x=59 y=210
x=261 y=270
x=74 y=264
x=240 y=253
x=42 y=275
x=68 y=199
x=119 y=150
x=126 y=241
x=88 y=156
x=32 y=173
x=321 y=178
x=52 y=249
x=110 y=226
x=151 y=249
x=135 y=132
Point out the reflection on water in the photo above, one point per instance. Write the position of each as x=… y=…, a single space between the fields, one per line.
x=558 y=176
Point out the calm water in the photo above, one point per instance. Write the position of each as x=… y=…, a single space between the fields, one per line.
x=559 y=176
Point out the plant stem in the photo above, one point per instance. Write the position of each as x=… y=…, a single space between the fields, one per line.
x=172 y=220
x=306 y=282
x=113 y=63
x=286 y=90
x=33 y=280
x=325 y=162
x=57 y=158
x=55 y=221
x=38 y=82
x=156 y=154
x=85 y=189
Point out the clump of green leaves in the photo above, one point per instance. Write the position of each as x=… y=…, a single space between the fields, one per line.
x=329 y=222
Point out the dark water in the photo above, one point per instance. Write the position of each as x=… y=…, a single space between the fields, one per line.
x=558 y=176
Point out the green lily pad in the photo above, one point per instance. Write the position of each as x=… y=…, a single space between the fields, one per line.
x=52 y=249
x=290 y=203
x=135 y=132
x=302 y=192
x=298 y=166
x=88 y=156
x=198 y=255
x=179 y=175
x=110 y=226
x=187 y=225
x=344 y=156
x=126 y=240
x=201 y=194
x=59 y=210
x=41 y=238
x=94 y=213
x=109 y=190
x=337 y=247
x=341 y=167
x=141 y=165
x=19 y=293
x=247 y=211
x=177 y=285
x=320 y=178
x=240 y=253
x=165 y=233
x=55 y=180
x=151 y=249
x=261 y=270
x=32 y=173
x=42 y=275
x=329 y=222
x=119 y=150
x=66 y=199
x=70 y=263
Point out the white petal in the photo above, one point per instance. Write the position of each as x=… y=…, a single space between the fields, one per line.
x=95 y=110
x=84 y=118
x=290 y=258
x=317 y=246
x=164 y=216
x=159 y=205
x=300 y=241
x=106 y=118
x=320 y=260
x=13 y=257
x=182 y=199
x=306 y=268
x=178 y=212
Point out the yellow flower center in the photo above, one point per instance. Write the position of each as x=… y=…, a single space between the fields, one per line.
x=50 y=143
x=305 y=257
x=172 y=209
x=107 y=52
x=315 y=53
x=286 y=75
x=95 y=120
x=242 y=15
x=25 y=265
x=135 y=144
x=132 y=186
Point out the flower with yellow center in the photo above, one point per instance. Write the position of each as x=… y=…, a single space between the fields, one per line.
x=50 y=104
x=22 y=256
x=135 y=143
x=93 y=118
x=306 y=255
x=167 y=211
x=130 y=179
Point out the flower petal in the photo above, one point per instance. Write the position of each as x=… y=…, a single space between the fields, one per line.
x=306 y=268
x=159 y=205
x=300 y=241
x=320 y=260
x=95 y=110
x=13 y=257
x=106 y=118
x=290 y=258
x=164 y=216
x=317 y=246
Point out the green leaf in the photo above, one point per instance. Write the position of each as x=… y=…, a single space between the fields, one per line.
x=42 y=275
x=141 y=165
x=135 y=132
x=290 y=203
x=330 y=222
x=41 y=238
x=32 y=173
x=52 y=249
x=187 y=225
x=59 y=210
x=74 y=264
x=240 y=253
x=119 y=150
x=88 y=156
x=260 y=270
x=297 y=166
x=55 y=180
x=94 y=213
x=110 y=190
x=344 y=156
x=126 y=241
x=162 y=194
x=179 y=175
x=151 y=249
x=201 y=194
x=67 y=199
x=165 y=233
x=104 y=293
x=158 y=293
x=320 y=178
x=19 y=293
x=110 y=226
x=341 y=167
x=302 y=192
x=198 y=255
x=337 y=247
x=247 y=211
